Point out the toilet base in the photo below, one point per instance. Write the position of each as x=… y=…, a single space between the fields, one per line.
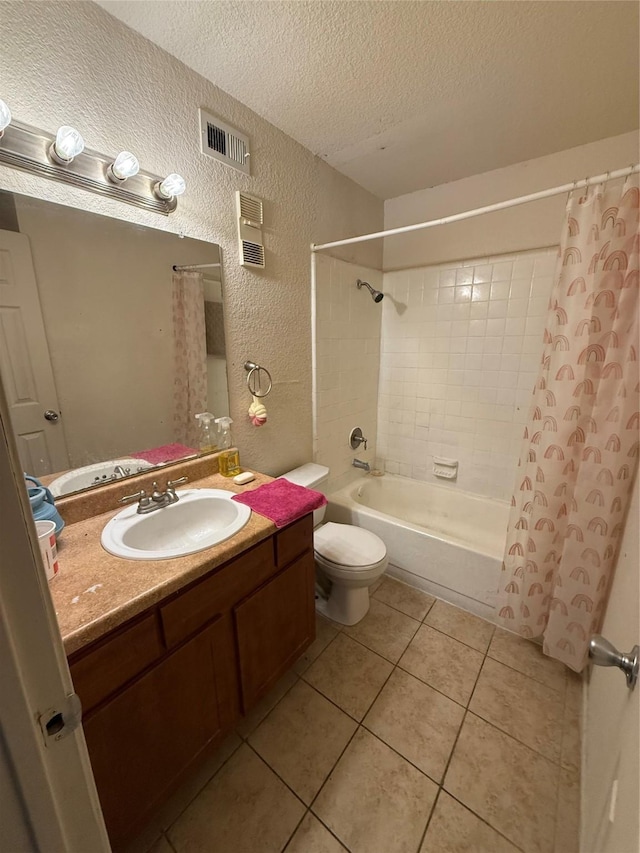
x=346 y=605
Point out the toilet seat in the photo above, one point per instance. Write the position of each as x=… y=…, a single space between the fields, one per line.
x=345 y=546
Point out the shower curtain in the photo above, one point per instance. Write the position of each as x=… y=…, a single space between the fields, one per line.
x=190 y=356
x=580 y=446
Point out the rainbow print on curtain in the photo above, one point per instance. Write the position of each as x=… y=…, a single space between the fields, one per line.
x=581 y=443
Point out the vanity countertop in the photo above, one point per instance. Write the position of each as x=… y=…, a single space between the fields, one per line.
x=95 y=592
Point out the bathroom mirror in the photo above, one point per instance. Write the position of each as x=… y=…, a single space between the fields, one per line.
x=87 y=341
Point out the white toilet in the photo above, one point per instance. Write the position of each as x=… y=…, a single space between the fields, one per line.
x=348 y=558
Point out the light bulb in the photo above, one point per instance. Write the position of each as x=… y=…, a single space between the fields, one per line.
x=5 y=117
x=68 y=144
x=124 y=166
x=172 y=186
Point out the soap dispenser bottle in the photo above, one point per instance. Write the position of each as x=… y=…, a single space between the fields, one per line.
x=208 y=432
x=229 y=460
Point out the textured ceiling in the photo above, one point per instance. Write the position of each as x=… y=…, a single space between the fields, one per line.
x=404 y=95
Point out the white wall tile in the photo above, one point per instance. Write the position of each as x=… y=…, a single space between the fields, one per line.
x=476 y=339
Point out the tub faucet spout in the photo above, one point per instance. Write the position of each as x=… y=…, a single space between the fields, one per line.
x=357 y=463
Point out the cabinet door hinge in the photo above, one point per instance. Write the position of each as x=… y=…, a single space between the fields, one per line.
x=61 y=721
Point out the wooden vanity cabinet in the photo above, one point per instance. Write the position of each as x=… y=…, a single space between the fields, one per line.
x=162 y=691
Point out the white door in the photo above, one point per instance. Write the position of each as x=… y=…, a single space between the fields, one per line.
x=48 y=799
x=25 y=364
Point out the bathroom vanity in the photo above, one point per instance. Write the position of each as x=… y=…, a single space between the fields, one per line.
x=166 y=656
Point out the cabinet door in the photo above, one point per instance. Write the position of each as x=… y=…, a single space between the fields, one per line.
x=274 y=626
x=144 y=738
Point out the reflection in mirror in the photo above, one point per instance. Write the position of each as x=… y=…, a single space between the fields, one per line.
x=96 y=346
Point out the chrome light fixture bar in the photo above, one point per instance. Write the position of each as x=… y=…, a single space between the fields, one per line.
x=35 y=151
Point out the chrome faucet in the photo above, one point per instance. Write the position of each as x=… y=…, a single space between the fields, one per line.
x=157 y=499
x=357 y=463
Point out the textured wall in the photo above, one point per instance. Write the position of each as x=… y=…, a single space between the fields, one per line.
x=74 y=63
x=525 y=227
x=347 y=358
x=461 y=346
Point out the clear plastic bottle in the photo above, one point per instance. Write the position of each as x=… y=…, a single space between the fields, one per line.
x=208 y=432
x=229 y=460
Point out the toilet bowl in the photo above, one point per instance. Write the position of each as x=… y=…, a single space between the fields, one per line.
x=348 y=559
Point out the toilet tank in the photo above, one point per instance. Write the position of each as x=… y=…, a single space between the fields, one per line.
x=311 y=476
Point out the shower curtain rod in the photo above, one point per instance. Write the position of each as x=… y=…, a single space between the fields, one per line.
x=191 y=267
x=468 y=214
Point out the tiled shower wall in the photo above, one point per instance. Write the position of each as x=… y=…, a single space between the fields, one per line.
x=347 y=360
x=461 y=345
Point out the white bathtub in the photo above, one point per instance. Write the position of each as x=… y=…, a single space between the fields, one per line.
x=440 y=539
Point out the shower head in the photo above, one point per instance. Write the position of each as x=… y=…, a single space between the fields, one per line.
x=376 y=295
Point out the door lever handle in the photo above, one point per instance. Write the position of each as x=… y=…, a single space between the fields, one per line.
x=604 y=653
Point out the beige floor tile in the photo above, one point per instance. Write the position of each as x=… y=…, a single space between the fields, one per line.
x=568 y=816
x=161 y=846
x=417 y=721
x=374 y=586
x=179 y=801
x=444 y=663
x=325 y=632
x=505 y=783
x=147 y=840
x=374 y=800
x=302 y=738
x=312 y=837
x=405 y=598
x=454 y=829
x=245 y=807
x=524 y=708
x=527 y=657
x=257 y=714
x=349 y=674
x=465 y=627
x=384 y=630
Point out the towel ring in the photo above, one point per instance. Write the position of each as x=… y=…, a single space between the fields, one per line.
x=256 y=376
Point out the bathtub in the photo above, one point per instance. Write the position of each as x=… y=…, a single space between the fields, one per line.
x=440 y=539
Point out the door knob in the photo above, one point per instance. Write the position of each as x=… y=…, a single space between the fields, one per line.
x=50 y=415
x=603 y=653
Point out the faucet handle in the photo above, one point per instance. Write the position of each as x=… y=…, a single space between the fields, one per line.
x=171 y=484
x=141 y=496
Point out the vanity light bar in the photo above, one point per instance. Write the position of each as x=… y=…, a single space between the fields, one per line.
x=61 y=158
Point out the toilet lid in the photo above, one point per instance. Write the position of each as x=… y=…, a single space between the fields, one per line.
x=347 y=545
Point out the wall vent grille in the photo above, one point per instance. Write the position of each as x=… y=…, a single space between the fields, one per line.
x=249 y=210
x=224 y=143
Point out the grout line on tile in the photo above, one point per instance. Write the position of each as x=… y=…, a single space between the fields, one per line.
x=422 y=681
x=462 y=642
x=431 y=813
x=275 y=773
x=532 y=677
x=403 y=757
x=200 y=790
x=297 y=827
x=168 y=840
x=484 y=820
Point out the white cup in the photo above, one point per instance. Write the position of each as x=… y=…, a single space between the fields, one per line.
x=46 y=531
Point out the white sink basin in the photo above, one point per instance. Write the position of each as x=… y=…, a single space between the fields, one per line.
x=200 y=519
x=93 y=475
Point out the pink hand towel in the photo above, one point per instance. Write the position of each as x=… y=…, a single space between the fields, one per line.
x=281 y=501
x=166 y=453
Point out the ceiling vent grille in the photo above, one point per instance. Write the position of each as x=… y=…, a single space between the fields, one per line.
x=224 y=143
x=249 y=210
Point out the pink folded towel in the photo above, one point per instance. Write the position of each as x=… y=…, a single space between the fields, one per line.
x=281 y=501
x=166 y=453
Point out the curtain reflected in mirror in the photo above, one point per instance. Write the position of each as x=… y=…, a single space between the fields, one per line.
x=87 y=344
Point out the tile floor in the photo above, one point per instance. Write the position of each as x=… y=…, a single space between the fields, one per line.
x=423 y=729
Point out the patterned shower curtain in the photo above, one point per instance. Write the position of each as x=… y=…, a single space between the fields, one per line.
x=580 y=448
x=190 y=356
